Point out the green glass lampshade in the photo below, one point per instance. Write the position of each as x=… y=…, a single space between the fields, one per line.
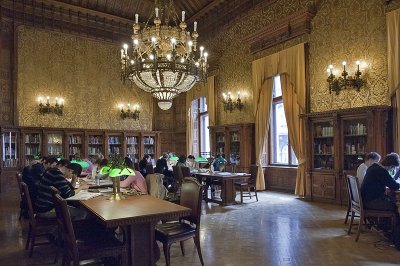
x=105 y=170
x=201 y=159
x=81 y=163
x=174 y=158
x=116 y=171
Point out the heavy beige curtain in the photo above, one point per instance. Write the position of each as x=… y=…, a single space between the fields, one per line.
x=393 y=44
x=290 y=64
x=199 y=90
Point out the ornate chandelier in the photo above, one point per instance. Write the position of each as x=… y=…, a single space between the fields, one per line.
x=164 y=60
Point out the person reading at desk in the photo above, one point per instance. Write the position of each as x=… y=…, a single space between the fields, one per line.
x=58 y=178
x=376 y=181
x=135 y=181
x=370 y=159
x=190 y=162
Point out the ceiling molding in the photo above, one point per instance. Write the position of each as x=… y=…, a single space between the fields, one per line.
x=281 y=30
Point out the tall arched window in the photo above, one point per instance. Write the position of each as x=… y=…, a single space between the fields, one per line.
x=201 y=135
x=281 y=152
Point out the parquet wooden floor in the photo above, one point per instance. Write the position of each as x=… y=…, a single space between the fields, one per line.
x=280 y=229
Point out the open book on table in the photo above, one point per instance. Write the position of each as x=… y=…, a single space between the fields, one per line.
x=84 y=195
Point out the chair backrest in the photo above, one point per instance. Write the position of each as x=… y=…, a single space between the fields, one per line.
x=18 y=177
x=149 y=169
x=155 y=186
x=66 y=228
x=136 y=166
x=354 y=193
x=28 y=203
x=185 y=171
x=191 y=196
x=253 y=172
x=177 y=172
x=229 y=168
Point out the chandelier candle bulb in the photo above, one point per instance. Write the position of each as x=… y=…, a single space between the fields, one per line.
x=358 y=65
x=56 y=100
x=195 y=26
x=48 y=100
x=165 y=61
x=344 y=65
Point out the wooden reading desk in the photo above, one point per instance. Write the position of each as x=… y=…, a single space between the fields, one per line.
x=228 y=192
x=137 y=215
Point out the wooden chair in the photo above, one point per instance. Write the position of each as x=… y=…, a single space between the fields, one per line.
x=186 y=228
x=38 y=226
x=178 y=178
x=357 y=207
x=348 y=213
x=22 y=207
x=186 y=171
x=229 y=168
x=149 y=169
x=94 y=248
x=249 y=184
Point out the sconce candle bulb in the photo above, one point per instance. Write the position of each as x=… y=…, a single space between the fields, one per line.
x=129 y=113
x=345 y=81
x=229 y=104
x=48 y=108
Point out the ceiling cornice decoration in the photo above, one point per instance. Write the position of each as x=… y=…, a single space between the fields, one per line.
x=281 y=30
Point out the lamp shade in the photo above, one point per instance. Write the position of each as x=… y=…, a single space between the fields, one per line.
x=84 y=164
x=201 y=159
x=164 y=105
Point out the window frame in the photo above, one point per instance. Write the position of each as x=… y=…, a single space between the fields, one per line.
x=270 y=152
x=199 y=119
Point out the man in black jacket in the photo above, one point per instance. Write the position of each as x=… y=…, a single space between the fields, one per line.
x=376 y=181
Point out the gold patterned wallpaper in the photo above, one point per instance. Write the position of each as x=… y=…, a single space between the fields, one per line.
x=84 y=72
x=341 y=30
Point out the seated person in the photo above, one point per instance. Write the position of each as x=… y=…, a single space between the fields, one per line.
x=219 y=160
x=376 y=180
x=370 y=159
x=181 y=161
x=57 y=177
x=136 y=182
x=190 y=162
x=143 y=164
x=162 y=168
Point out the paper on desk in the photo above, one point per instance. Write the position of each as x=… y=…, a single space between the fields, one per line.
x=84 y=195
x=240 y=174
x=223 y=173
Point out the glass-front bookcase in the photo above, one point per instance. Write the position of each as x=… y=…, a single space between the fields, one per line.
x=355 y=139
x=149 y=145
x=323 y=141
x=95 y=143
x=114 y=144
x=75 y=145
x=220 y=143
x=32 y=146
x=9 y=140
x=54 y=143
x=234 y=156
x=132 y=148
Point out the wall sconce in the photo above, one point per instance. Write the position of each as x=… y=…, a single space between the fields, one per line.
x=129 y=113
x=48 y=108
x=230 y=105
x=345 y=81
